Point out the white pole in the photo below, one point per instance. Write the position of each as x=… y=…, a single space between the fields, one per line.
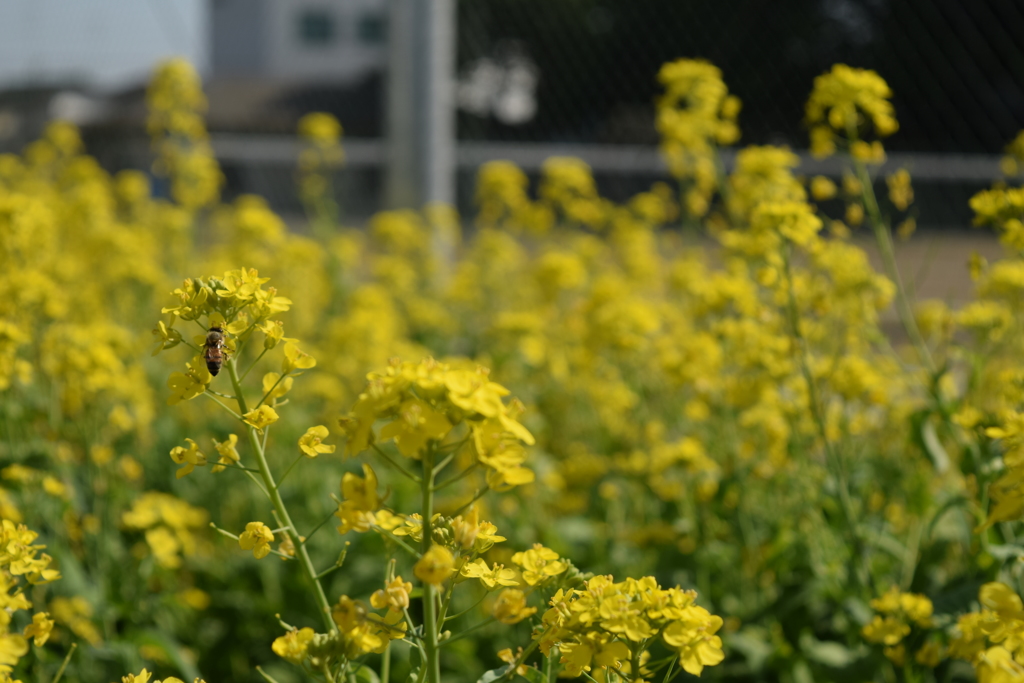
x=420 y=103
x=438 y=99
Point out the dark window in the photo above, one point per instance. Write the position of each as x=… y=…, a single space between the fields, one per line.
x=316 y=27
x=372 y=28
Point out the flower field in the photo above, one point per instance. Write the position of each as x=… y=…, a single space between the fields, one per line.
x=556 y=439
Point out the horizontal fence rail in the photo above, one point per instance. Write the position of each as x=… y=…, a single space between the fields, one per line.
x=625 y=159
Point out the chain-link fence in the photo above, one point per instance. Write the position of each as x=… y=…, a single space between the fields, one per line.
x=543 y=77
x=956 y=68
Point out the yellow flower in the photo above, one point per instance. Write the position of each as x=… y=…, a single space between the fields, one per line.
x=359 y=501
x=274 y=331
x=693 y=637
x=228 y=453
x=294 y=645
x=262 y=417
x=241 y=284
x=417 y=423
x=394 y=595
x=348 y=614
x=997 y=665
x=257 y=537
x=871 y=153
x=295 y=359
x=274 y=387
x=539 y=563
x=929 y=655
x=55 y=487
x=166 y=337
x=320 y=128
x=189 y=458
x=510 y=606
x=436 y=565
x=495 y=576
x=822 y=188
x=793 y=220
x=1002 y=600
x=901 y=194
x=39 y=629
x=142 y=677
x=906 y=228
x=185 y=386
x=888 y=630
x=840 y=95
x=310 y=442
x=854 y=213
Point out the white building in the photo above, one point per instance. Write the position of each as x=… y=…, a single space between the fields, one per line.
x=321 y=41
x=114 y=44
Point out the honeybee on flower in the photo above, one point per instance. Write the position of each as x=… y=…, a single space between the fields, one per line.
x=213 y=349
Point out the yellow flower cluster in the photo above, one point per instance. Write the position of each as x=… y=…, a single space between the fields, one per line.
x=895 y=614
x=607 y=625
x=842 y=103
x=991 y=639
x=21 y=566
x=694 y=115
x=359 y=632
x=503 y=201
x=321 y=154
x=423 y=402
x=144 y=676
x=567 y=186
x=170 y=525
x=239 y=304
x=730 y=407
x=175 y=123
x=1003 y=208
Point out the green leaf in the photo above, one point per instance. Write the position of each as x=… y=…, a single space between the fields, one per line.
x=533 y=675
x=934 y=448
x=801 y=672
x=753 y=643
x=858 y=610
x=829 y=653
x=1005 y=551
x=367 y=675
x=493 y=674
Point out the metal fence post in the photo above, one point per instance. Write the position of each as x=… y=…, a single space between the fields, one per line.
x=420 y=103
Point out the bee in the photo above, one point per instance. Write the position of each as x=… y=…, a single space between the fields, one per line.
x=213 y=349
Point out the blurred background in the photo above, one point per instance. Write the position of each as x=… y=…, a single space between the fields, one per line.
x=427 y=90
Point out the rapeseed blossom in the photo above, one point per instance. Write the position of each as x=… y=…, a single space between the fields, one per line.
x=843 y=103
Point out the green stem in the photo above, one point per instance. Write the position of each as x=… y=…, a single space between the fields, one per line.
x=402 y=544
x=318 y=527
x=394 y=464
x=634 y=665
x=668 y=672
x=282 y=511
x=466 y=611
x=474 y=627
x=444 y=463
x=888 y=253
x=385 y=664
x=222 y=405
x=432 y=665
x=457 y=477
x=64 y=665
x=271 y=390
x=290 y=468
x=817 y=411
x=479 y=494
x=258 y=358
